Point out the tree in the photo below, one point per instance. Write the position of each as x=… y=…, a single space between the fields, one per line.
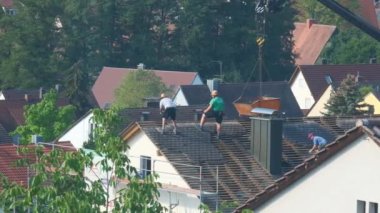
x=346 y=99
x=59 y=183
x=136 y=86
x=45 y=118
x=227 y=31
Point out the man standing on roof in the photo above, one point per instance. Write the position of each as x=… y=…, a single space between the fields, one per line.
x=215 y=109
x=318 y=142
x=168 y=110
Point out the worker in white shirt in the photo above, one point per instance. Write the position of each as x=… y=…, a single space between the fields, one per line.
x=168 y=110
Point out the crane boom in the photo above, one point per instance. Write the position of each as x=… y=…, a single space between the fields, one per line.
x=357 y=21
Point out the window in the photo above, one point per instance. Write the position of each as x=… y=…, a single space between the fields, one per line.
x=92 y=126
x=373 y=207
x=308 y=103
x=145 y=166
x=360 y=206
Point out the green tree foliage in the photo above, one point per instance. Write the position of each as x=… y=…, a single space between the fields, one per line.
x=226 y=31
x=136 y=86
x=66 y=42
x=59 y=183
x=346 y=99
x=45 y=118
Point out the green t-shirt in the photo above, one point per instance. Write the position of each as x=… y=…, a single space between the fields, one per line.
x=217 y=104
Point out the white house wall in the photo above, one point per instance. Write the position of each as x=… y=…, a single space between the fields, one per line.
x=336 y=185
x=79 y=133
x=302 y=92
x=139 y=145
x=180 y=99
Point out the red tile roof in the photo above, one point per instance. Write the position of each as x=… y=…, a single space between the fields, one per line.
x=111 y=77
x=368 y=12
x=309 y=40
x=315 y=75
x=8 y=158
x=7 y=3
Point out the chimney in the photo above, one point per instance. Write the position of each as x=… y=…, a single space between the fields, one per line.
x=152 y=102
x=213 y=84
x=266 y=141
x=310 y=22
x=144 y=116
x=140 y=66
x=41 y=93
x=372 y=61
x=324 y=61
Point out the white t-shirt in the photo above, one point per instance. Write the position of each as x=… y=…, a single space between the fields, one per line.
x=166 y=103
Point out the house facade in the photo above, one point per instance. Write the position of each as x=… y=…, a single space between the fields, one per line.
x=309 y=82
x=342 y=178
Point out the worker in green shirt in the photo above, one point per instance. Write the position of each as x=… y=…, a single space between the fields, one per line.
x=215 y=110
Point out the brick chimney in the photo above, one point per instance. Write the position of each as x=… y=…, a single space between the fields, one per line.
x=310 y=22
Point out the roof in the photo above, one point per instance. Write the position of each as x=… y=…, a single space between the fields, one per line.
x=245 y=93
x=110 y=79
x=8 y=157
x=241 y=176
x=20 y=94
x=4 y=136
x=368 y=12
x=7 y=3
x=309 y=40
x=315 y=75
x=308 y=165
x=12 y=111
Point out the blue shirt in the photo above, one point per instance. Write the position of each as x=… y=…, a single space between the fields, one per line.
x=319 y=141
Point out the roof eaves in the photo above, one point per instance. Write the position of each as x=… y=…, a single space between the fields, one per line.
x=130 y=131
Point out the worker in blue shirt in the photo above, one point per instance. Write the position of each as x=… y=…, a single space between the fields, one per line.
x=318 y=142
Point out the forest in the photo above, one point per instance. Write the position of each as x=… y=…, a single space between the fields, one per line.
x=49 y=42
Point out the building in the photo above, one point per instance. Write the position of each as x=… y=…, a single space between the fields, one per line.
x=110 y=78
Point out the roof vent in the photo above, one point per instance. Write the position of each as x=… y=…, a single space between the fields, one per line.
x=37 y=139
x=140 y=66
x=144 y=116
x=328 y=79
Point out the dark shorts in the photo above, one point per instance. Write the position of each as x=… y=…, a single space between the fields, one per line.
x=169 y=113
x=218 y=115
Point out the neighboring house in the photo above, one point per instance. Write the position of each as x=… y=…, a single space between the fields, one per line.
x=12 y=109
x=309 y=40
x=309 y=82
x=344 y=177
x=8 y=7
x=240 y=93
x=110 y=78
x=372 y=99
x=194 y=167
